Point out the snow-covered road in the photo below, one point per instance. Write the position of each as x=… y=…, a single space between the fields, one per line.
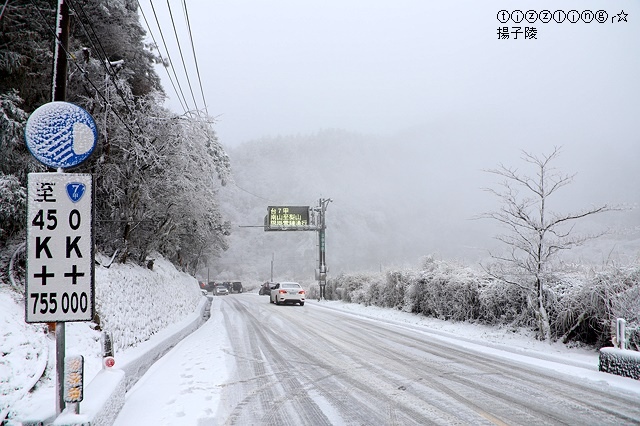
x=257 y=363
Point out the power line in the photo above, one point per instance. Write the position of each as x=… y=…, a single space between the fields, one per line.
x=75 y=62
x=175 y=89
x=184 y=65
x=195 y=58
x=164 y=42
x=251 y=193
x=109 y=69
x=3 y=8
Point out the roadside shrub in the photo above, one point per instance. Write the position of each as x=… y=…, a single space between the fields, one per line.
x=13 y=206
x=449 y=291
x=503 y=303
x=620 y=292
x=582 y=304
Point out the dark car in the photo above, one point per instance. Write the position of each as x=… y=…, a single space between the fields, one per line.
x=265 y=289
x=210 y=286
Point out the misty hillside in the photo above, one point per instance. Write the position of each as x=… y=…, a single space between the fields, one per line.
x=394 y=201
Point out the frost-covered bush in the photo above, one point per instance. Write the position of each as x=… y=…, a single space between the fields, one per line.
x=449 y=291
x=13 y=198
x=576 y=307
x=620 y=288
x=582 y=304
x=503 y=303
x=402 y=290
x=351 y=285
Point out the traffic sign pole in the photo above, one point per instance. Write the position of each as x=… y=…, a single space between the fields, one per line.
x=60 y=238
x=59 y=93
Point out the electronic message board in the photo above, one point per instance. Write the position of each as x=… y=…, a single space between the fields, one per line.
x=287 y=218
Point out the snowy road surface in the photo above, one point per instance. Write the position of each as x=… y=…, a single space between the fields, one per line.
x=292 y=365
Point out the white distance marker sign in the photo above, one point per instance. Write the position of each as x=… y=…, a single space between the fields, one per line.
x=60 y=258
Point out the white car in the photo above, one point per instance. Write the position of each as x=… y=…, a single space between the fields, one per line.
x=220 y=290
x=287 y=292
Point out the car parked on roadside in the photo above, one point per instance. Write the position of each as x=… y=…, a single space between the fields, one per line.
x=287 y=292
x=220 y=290
x=265 y=289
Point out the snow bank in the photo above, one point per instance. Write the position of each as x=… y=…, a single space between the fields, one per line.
x=133 y=304
x=24 y=351
x=621 y=362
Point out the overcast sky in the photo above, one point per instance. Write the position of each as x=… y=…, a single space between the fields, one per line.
x=431 y=75
x=285 y=66
x=415 y=67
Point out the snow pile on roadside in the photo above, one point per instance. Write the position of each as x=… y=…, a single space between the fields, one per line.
x=133 y=303
x=517 y=340
x=23 y=351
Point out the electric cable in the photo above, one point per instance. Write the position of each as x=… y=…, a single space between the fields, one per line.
x=175 y=89
x=184 y=65
x=3 y=8
x=82 y=71
x=250 y=193
x=104 y=60
x=195 y=58
x=164 y=42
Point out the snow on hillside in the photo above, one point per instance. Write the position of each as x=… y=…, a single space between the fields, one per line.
x=133 y=303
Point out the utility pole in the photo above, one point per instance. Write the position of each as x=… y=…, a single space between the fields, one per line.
x=59 y=93
x=322 y=265
x=272 y=258
x=59 y=90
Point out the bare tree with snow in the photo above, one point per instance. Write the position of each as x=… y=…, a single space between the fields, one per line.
x=535 y=233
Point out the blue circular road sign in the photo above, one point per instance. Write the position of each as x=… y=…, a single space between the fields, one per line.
x=61 y=134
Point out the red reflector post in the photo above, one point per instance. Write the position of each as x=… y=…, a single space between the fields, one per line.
x=109 y=361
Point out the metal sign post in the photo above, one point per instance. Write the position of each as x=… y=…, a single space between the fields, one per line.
x=300 y=218
x=60 y=258
x=322 y=265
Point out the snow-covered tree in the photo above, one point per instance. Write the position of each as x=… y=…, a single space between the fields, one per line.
x=535 y=234
x=156 y=172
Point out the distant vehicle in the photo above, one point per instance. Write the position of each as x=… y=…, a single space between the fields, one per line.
x=221 y=290
x=265 y=289
x=210 y=286
x=233 y=286
x=287 y=292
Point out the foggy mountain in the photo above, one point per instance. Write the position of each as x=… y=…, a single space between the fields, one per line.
x=395 y=200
